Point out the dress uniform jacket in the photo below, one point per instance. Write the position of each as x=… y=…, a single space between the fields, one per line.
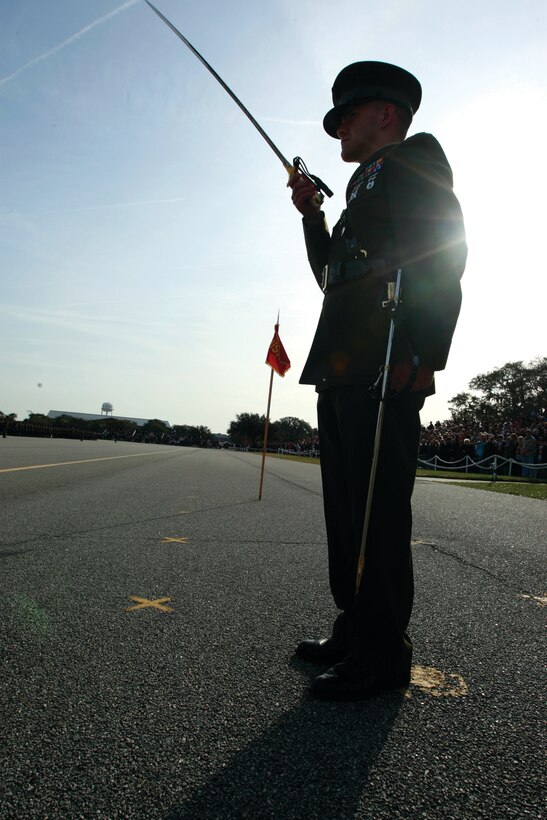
x=401 y=212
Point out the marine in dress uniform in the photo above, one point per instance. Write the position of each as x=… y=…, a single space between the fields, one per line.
x=401 y=212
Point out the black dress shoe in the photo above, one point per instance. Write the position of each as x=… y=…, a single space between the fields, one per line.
x=346 y=681
x=329 y=650
x=324 y=651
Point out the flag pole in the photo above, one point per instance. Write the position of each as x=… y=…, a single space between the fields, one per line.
x=266 y=426
x=278 y=360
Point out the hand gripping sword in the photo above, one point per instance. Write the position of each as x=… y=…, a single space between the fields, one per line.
x=297 y=165
x=392 y=304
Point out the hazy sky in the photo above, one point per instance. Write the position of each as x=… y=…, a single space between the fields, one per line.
x=147 y=239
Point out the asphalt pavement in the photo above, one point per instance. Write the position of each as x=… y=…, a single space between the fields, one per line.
x=150 y=606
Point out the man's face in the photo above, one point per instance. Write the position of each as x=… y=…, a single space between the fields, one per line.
x=359 y=131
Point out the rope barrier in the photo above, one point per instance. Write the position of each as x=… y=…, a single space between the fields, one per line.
x=491 y=464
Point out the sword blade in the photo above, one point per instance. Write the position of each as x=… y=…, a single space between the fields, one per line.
x=288 y=165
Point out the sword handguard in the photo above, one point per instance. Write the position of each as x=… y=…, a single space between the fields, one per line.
x=299 y=167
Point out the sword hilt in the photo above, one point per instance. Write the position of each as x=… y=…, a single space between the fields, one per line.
x=317 y=199
x=393 y=297
x=299 y=167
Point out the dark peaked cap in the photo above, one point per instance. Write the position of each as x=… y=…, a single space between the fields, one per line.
x=369 y=80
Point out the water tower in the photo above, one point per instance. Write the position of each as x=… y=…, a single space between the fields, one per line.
x=106 y=408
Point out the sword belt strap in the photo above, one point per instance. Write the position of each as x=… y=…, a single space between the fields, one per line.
x=339 y=272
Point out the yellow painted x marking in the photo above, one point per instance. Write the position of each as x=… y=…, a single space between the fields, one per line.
x=436 y=683
x=542 y=601
x=142 y=603
x=173 y=540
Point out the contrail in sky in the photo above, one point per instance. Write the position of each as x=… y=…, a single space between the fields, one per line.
x=290 y=122
x=116 y=205
x=66 y=42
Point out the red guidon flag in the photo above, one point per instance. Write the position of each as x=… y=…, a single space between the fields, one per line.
x=277 y=357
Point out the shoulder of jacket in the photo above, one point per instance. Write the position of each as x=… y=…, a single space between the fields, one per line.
x=419 y=150
x=421 y=146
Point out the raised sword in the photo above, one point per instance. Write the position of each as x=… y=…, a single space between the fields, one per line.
x=297 y=165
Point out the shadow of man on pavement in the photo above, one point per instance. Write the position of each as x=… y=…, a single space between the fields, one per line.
x=314 y=762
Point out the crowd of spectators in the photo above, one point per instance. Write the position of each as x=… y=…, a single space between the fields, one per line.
x=520 y=440
x=306 y=446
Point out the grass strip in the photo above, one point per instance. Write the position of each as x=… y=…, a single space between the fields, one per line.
x=463 y=476
x=507 y=487
x=512 y=485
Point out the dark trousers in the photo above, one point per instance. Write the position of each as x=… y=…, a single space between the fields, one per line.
x=380 y=614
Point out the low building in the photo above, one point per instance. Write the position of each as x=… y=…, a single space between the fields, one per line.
x=54 y=414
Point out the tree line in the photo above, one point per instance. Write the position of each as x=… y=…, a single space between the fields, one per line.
x=247 y=430
x=109 y=426
x=514 y=391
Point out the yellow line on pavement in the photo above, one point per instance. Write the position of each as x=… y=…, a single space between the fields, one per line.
x=82 y=461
